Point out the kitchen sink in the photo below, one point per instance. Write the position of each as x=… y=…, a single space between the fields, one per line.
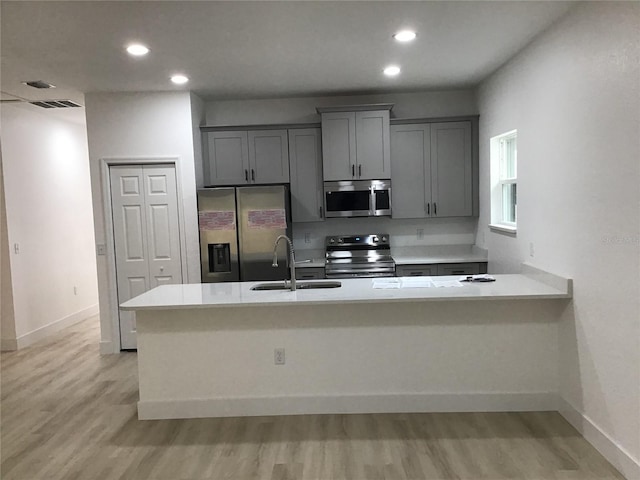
x=299 y=285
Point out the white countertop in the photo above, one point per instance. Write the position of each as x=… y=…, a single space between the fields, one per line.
x=408 y=255
x=353 y=290
x=429 y=254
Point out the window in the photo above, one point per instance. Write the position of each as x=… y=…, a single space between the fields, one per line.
x=504 y=179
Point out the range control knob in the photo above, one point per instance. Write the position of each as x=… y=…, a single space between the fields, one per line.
x=384 y=239
x=375 y=239
x=332 y=240
x=340 y=240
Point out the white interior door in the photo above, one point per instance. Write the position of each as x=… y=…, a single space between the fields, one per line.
x=146 y=232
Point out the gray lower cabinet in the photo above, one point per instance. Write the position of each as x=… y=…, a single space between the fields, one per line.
x=305 y=159
x=416 y=270
x=309 y=273
x=432 y=170
x=432 y=270
x=246 y=157
x=458 y=269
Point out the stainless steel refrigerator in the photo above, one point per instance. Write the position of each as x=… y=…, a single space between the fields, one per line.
x=238 y=228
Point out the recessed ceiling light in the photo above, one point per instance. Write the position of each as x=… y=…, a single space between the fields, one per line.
x=391 y=71
x=137 y=50
x=179 y=79
x=404 y=36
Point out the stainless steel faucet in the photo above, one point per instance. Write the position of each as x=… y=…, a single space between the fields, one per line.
x=292 y=260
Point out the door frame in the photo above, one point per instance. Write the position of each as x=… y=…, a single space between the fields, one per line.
x=112 y=285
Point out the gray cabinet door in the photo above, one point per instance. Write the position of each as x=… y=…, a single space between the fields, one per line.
x=305 y=157
x=339 y=145
x=309 y=273
x=268 y=156
x=416 y=270
x=410 y=170
x=228 y=158
x=451 y=169
x=372 y=145
x=458 y=269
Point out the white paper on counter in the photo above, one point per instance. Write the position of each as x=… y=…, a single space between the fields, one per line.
x=385 y=283
x=416 y=282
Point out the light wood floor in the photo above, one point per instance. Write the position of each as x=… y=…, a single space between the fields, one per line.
x=70 y=414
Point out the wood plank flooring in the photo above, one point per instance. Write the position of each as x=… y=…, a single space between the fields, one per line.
x=70 y=414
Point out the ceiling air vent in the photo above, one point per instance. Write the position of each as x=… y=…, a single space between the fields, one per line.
x=55 y=104
x=39 y=84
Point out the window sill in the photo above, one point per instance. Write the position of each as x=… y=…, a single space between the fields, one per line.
x=503 y=229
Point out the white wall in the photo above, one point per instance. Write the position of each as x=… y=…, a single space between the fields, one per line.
x=48 y=204
x=131 y=127
x=574 y=97
x=303 y=109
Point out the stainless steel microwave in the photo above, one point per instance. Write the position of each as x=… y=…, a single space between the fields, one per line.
x=357 y=198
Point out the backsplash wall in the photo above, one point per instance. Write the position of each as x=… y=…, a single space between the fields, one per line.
x=403 y=232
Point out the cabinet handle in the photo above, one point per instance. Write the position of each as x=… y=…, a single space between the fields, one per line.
x=253 y=175
x=353 y=170
x=428 y=208
x=360 y=170
x=246 y=175
x=458 y=272
x=435 y=209
x=320 y=212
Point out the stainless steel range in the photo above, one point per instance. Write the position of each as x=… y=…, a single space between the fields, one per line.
x=359 y=256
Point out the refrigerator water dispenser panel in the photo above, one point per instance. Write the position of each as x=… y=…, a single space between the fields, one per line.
x=219 y=258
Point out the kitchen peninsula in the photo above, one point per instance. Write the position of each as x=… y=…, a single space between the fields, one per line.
x=208 y=350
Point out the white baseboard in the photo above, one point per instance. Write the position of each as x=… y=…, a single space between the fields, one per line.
x=46 y=330
x=390 y=403
x=617 y=455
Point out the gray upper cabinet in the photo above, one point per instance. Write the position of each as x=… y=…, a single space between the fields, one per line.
x=432 y=170
x=305 y=156
x=228 y=158
x=246 y=157
x=268 y=156
x=356 y=144
x=373 y=155
x=410 y=174
x=451 y=169
x=339 y=145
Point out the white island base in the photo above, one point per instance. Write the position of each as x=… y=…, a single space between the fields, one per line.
x=481 y=347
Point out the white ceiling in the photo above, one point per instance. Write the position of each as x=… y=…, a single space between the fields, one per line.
x=237 y=49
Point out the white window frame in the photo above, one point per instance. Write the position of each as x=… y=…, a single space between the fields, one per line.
x=498 y=180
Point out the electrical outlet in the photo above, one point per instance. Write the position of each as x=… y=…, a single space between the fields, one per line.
x=307 y=237
x=420 y=233
x=278 y=356
x=101 y=249
x=531 y=249
x=75 y=290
